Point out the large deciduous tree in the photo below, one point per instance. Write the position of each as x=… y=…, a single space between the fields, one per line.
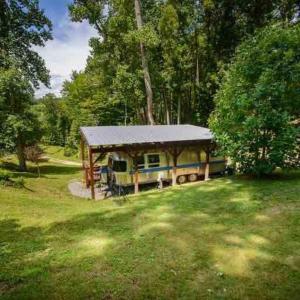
x=19 y=126
x=147 y=78
x=258 y=100
x=22 y=25
x=188 y=43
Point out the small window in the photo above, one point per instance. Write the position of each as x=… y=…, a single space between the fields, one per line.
x=119 y=166
x=153 y=160
x=140 y=161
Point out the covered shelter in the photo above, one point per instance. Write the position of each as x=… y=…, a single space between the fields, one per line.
x=134 y=140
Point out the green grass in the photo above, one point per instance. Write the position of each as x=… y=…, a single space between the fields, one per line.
x=229 y=238
x=59 y=153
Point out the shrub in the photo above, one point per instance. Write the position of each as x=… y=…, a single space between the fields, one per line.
x=258 y=99
x=19 y=182
x=4 y=175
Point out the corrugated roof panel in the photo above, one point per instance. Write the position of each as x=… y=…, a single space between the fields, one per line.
x=126 y=135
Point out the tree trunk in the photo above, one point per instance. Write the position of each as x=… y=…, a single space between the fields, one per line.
x=178 y=110
x=167 y=110
x=147 y=79
x=21 y=156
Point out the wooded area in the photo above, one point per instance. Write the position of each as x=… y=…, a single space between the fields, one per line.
x=153 y=62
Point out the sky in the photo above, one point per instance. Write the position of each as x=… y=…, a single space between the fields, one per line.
x=69 y=48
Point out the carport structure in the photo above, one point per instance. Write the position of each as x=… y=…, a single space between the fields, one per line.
x=137 y=140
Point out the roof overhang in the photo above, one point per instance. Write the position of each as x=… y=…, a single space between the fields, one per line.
x=120 y=138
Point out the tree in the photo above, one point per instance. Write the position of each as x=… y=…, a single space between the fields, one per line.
x=53 y=118
x=19 y=126
x=188 y=43
x=258 y=99
x=34 y=154
x=22 y=25
x=147 y=78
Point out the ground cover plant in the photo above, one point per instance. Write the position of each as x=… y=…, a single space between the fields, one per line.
x=230 y=238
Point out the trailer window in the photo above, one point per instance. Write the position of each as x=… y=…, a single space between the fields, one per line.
x=119 y=166
x=140 y=161
x=153 y=160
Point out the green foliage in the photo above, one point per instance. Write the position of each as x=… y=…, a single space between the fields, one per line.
x=4 y=175
x=187 y=44
x=7 y=180
x=258 y=99
x=52 y=112
x=19 y=124
x=22 y=25
x=19 y=182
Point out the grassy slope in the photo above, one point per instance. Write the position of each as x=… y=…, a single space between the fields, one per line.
x=225 y=239
x=58 y=153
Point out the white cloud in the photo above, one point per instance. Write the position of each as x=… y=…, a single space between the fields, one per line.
x=67 y=52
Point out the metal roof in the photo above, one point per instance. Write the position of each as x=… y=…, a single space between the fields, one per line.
x=142 y=134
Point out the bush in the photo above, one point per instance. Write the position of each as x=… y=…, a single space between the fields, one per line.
x=68 y=152
x=4 y=175
x=257 y=101
x=19 y=182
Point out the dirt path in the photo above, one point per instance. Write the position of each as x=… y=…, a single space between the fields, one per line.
x=61 y=161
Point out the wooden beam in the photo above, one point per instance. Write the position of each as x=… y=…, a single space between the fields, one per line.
x=82 y=152
x=91 y=169
x=207 y=153
x=198 y=153
x=134 y=157
x=136 y=181
x=174 y=170
x=175 y=152
x=151 y=146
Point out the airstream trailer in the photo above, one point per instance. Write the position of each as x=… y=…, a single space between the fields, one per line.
x=134 y=155
x=156 y=166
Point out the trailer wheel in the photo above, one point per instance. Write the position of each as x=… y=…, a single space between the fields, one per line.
x=193 y=177
x=181 y=179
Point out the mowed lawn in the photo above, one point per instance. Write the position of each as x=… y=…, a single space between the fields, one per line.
x=230 y=238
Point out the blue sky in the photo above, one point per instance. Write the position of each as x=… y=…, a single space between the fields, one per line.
x=69 y=48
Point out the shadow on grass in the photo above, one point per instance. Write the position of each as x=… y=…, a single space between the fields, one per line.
x=218 y=239
x=59 y=169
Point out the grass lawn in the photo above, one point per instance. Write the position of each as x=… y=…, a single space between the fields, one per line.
x=229 y=238
x=57 y=152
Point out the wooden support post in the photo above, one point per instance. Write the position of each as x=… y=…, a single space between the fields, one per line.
x=136 y=180
x=82 y=152
x=92 y=183
x=198 y=153
x=175 y=152
x=207 y=152
x=174 y=177
x=136 y=171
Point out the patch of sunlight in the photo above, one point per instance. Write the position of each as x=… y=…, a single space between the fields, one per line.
x=37 y=255
x=160 y=213
x=233 y=239
x=240 y=198
x=212 y=227
x=237 y=261
x=208 y=187
x=293 y=262
x=262 y=218
x=183 y=243
x=95 y=244
x=199 y=215
x=154 y=226
x=257 y=239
